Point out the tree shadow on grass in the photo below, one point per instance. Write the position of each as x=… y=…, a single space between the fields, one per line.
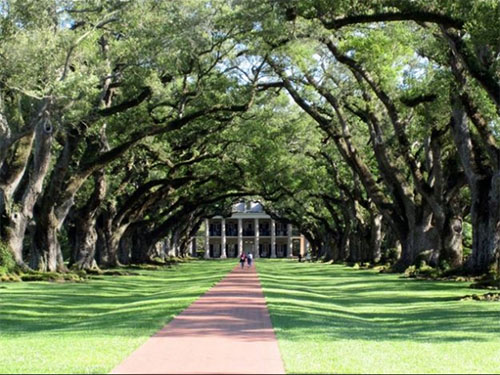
x=425 y=325
x=341 y=303
x=123 y=305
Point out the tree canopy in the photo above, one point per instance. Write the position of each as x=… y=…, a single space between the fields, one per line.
x=371 y=126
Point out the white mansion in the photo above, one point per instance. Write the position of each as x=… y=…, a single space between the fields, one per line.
x=251 y=230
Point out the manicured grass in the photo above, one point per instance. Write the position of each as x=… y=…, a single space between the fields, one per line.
x=91 y=327
x=333 y=319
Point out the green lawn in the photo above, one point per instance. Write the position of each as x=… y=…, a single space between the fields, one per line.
x=333 y=319
x=91 y=327
x=327 y=318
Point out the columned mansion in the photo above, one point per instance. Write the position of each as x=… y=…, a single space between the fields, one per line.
x=249 y=229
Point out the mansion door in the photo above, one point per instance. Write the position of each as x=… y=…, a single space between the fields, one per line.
x=248 y=247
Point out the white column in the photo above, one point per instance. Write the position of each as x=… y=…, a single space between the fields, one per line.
x=240 y=237
x=257 y=237
x=273 y=238
x=223 y=240
x=207 y=239
x=289 y=240
x=302 y=250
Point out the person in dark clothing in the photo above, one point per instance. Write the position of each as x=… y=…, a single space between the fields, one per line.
x=243 y=258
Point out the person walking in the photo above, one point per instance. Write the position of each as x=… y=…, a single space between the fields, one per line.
x=243 y=258
x=249 y=259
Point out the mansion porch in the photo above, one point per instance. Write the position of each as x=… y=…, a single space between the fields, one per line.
x=249 y=229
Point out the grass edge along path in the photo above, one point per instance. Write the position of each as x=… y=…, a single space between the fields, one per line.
x=91 y=327
x=333 y=319
x=226 y=331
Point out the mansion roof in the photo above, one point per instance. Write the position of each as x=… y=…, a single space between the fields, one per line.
x=247 y=209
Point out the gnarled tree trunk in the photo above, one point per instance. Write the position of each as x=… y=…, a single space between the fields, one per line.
x=453 y=245
x=421 y=241
x=484 y=184
x=18 y=217
x=83 y=255
x=46 y=254
x=485 y=217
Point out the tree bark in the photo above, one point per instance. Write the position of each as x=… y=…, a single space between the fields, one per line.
x=485 y=223
x=113 y=245
x=85 y=245
x=326 y=247
x=19 y=217
x=420 y=242
x=46 y=250
x=83 y=255
x=484 y=185
x=142 y=245
x=104 y=230
x=376 y=237
x=46 y=254
x=452 y=247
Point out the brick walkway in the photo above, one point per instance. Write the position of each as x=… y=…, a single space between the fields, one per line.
x=227 y=330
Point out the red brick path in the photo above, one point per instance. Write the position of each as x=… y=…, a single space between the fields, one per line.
x=227 y=330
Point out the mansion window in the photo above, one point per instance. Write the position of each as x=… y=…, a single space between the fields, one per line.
x=248 y=230
x=264 y=229
x=231 y=229
x=281 y=229
x=215 y=229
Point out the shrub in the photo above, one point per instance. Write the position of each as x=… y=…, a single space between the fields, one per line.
x=7 y=262
x=9 y=277
x=411 y=271
x=390 y=255
x=423 y=270
x=52 y=276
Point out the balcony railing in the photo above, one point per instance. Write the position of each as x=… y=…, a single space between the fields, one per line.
x=233 y=232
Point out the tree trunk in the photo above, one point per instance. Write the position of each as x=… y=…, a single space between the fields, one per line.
x=335 y=247
x=113 y=245
x=11 y=173
x=327 y=249
x=484 y=184
x=102 y=251
x=485 y=219
x=46 y=254
x=15 y=231
x=421 y=240
x=19 y=217
x=452 y=246
x=83 y=255
x=141 y=246
x=345 y=245
x=376 y=237
x=127 y=246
